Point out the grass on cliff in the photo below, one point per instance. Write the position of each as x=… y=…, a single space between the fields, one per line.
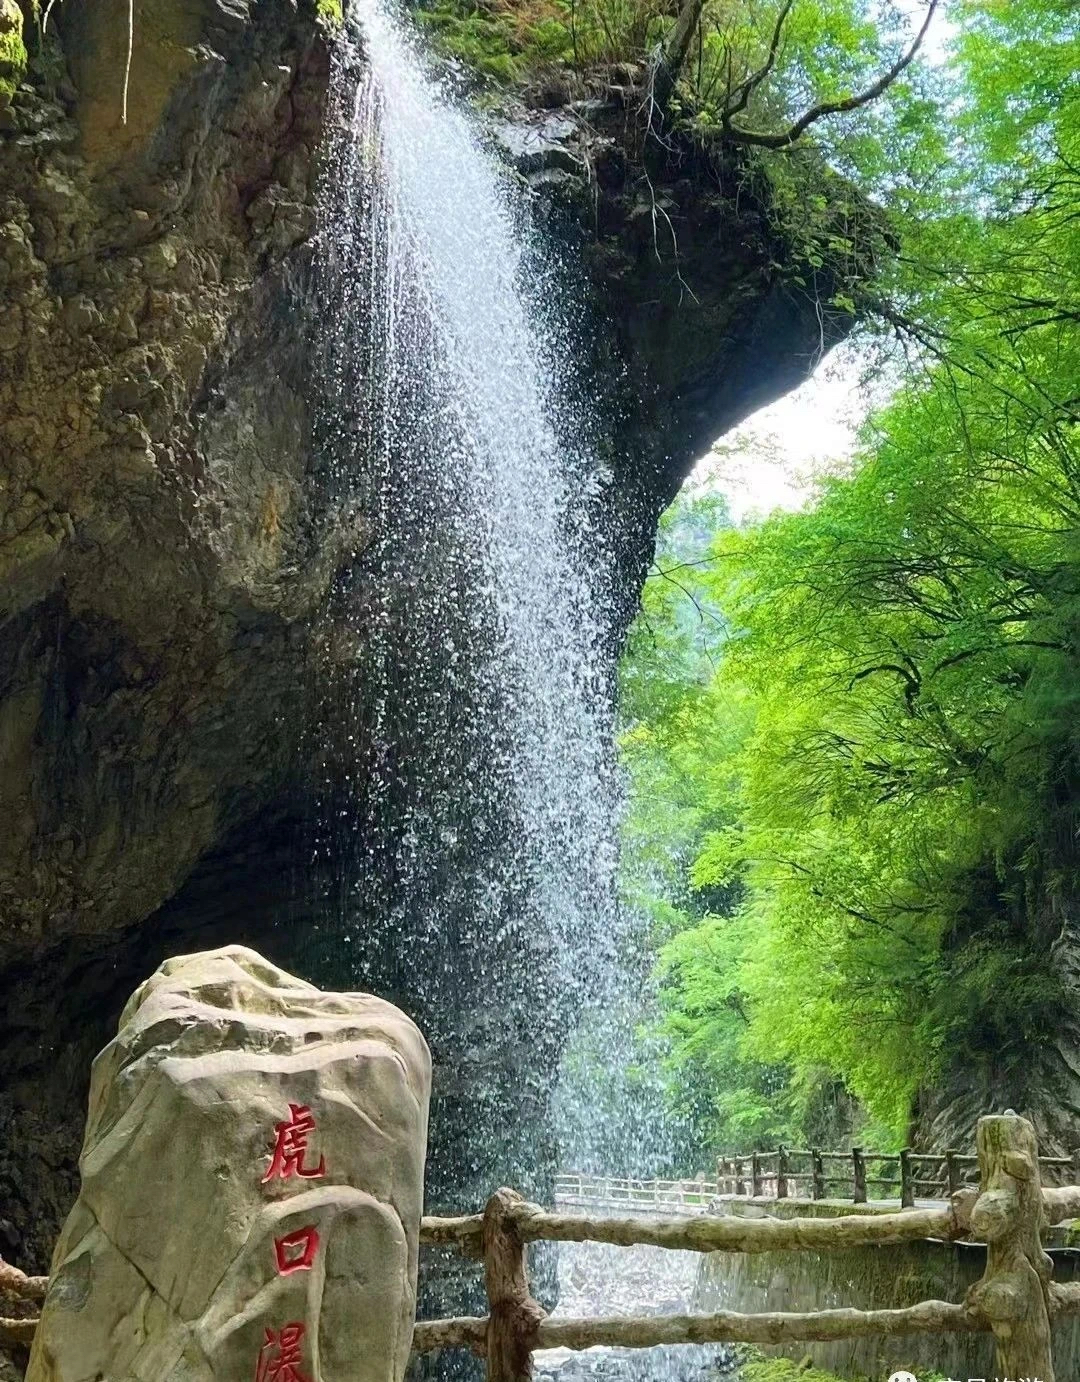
x=13 y=56
x=783 y=1370
x=759 y=1369
x=509 y=39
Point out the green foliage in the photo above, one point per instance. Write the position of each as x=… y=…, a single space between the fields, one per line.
x=879 y=780
x=487 y=40
x=830 y=49
x=13 y=55
x=760 y=1369
x=667 y=743
x=331 y=12
x=511 y=40
x=665 y=676
x=732 y=1100
x=826 y=237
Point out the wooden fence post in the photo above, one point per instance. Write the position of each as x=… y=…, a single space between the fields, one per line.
x=858 y=1170
x=781 y=1173
x=952 y=1173
x=907 y=1187
x=755 y=1175
x=1014 y=1292
x=740 y=1178
x=513 y=1315
x=817 y=1183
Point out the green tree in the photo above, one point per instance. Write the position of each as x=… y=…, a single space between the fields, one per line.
x=674 y=733
x=893 y=771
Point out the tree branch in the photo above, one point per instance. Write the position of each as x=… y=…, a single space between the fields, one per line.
x=670 y=55
x=785 y=138
x=912 y=686
x=740 y=95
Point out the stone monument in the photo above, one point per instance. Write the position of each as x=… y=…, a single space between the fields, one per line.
x=252 y=1185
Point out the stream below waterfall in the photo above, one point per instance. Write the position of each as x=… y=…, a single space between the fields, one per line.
x=598 y=1279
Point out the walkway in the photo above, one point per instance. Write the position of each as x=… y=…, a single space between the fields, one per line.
x=626 y=1195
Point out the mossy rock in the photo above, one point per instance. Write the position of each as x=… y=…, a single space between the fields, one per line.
x=505 y=42
x=12 y=49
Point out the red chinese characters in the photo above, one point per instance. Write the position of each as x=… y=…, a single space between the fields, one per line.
x=291 y=1145
x=280 y=1357
x=296 y=1251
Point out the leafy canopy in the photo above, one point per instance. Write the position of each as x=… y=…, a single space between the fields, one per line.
x=879 y=779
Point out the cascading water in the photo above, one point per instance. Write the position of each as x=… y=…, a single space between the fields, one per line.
x=469 y=819
x=471 y=831
x=451 y=289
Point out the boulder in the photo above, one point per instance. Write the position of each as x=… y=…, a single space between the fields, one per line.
x=252 y=1185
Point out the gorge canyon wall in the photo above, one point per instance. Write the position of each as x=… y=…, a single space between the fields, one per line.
x=170 y=539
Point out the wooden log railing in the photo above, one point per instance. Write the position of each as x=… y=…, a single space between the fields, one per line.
x=1015 y=1299
x=860 y=1175
x=23 y=1290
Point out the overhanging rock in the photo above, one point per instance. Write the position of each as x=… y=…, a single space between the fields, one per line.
x=252 y=1185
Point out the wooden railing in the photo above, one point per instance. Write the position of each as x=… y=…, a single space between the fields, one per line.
x=1015 y=1300
x=800 y=1173
x=617 y=1192
x=862 y=1176
x=26 y=1292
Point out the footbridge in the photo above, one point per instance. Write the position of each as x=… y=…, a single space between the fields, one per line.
x=858 y=1176
x=612 y=1194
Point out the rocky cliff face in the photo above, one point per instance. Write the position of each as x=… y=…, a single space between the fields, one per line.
x=159 y=553
x=1041 y=1079
x=708 y=308
x=157 y=538
x=167 y=542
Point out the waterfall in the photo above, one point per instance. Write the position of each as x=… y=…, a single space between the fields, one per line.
x=470 y=832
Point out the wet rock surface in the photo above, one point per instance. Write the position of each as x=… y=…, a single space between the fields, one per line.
x=158 y=537
x=700 y=292
x=162 y=541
